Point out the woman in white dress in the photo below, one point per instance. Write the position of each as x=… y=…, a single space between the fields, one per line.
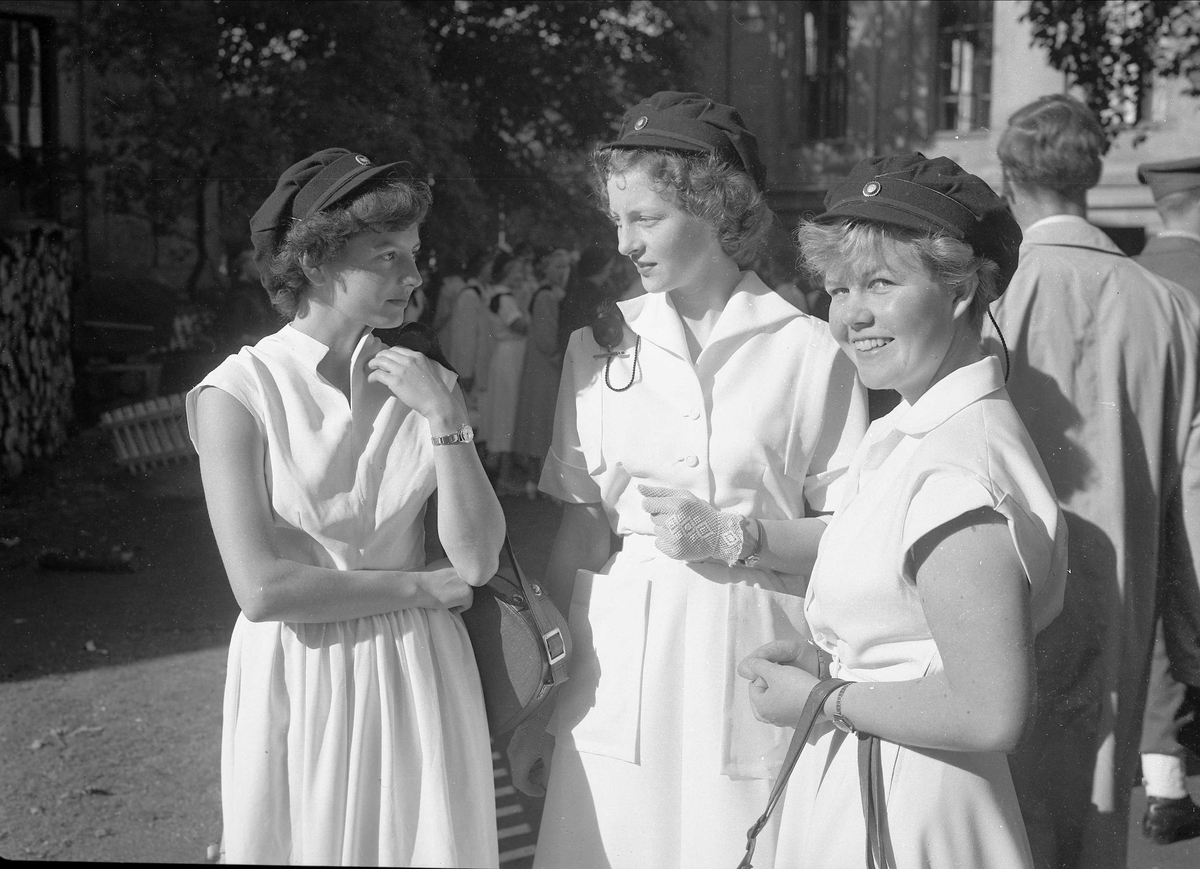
x=944 y=558
x=354 y=729
x=509 y=327
x=725 y=415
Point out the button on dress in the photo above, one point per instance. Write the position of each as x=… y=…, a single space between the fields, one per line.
x=659 y=760
x=361 y=741
x=961 y=447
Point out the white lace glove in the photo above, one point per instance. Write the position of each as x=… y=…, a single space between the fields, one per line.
x=688 y=529
x=529 y=753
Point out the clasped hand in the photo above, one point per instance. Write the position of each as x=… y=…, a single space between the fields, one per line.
x=413 y=378
x=688 y=529
x=779 y=682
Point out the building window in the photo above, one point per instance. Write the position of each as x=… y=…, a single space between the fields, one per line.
x=964 y=58
x=27 y=133
x=826 y=42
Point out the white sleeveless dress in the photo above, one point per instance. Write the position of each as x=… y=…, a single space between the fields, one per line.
x=363 y=741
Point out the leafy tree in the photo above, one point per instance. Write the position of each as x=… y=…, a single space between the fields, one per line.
x=199 y=91
x=1114 y=49
x=494 y=101
x=545 y=80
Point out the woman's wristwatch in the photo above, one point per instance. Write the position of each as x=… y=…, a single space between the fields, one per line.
x=464 y=435
x=840 y=721
x=751 y=558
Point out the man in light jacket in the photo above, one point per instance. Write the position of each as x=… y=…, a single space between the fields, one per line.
x=1104 y=368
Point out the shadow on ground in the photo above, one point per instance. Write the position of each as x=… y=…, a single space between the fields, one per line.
x=176 y=598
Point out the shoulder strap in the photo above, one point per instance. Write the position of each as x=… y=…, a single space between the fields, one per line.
x=808 y=717
x=556 y=640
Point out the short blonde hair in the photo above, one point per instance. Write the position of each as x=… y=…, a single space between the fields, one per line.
x=952 y=262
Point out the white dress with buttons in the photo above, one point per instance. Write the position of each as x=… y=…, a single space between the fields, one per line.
x=659 y=760
x=360 y=742
x=961 y=447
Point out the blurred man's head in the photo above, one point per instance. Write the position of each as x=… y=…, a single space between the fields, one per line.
x=1055 y=143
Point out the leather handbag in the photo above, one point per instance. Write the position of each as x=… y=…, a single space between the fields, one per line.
x=521 y=644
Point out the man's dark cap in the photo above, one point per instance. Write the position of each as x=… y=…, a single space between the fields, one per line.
x=1171 y=176
x=693 y=123
x=315 y=184
x=910 y=191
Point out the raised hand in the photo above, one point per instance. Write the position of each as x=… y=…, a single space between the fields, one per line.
x=414 y=379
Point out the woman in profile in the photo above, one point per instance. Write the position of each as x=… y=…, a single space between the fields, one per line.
x=714 y=417
x=354 y=729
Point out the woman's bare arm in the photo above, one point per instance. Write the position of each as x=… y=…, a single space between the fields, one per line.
x=975 y=598
x=584 y=542
x=267 y=586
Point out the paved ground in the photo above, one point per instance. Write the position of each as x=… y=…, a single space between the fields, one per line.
x=110 y=683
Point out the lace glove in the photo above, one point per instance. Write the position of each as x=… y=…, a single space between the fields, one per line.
x=529 y=753
x=688 y=529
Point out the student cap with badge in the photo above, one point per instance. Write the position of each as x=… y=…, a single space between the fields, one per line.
x=318 y=183
x=1171 y=176
x=693 y=123
x=912 y=192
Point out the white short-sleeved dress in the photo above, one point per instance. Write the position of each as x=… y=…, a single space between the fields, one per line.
x=362 y=741
x=659 y=760
x=959 y=448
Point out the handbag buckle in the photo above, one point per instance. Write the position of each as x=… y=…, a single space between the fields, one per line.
x=556 y=646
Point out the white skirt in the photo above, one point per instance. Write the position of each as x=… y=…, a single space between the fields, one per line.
x=499 y=404
x=658 y=759
x=361 y=742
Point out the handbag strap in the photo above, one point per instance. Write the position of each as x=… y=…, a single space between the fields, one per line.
x=808 y=717
x=555 y=641
x=870 y=786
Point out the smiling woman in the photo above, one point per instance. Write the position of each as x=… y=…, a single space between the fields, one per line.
x=930 y=627
x=354 y=729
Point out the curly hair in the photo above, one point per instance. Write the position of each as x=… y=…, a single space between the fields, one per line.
x=952 y=262
x=703 y=185
x=322 y=237
x=1055 y=142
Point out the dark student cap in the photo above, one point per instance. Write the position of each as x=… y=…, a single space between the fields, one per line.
x=910 y=191
x=1171 y=176
x=315 y=184
x=691 y=122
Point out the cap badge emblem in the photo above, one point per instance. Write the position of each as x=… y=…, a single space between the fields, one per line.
x=641 y=122
x=871 y=188
x=361 y=160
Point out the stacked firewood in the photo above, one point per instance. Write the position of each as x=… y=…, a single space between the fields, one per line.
x=36 y=378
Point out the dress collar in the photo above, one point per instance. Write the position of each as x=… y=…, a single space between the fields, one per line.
x=957 y=390
x=1177 y=233
x=310 y=351
x=752 y=307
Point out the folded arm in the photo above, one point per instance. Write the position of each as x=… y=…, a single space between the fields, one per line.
x=269 y=587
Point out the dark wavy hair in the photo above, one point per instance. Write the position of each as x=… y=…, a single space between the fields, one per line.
x=322 y=237
x=703 y=185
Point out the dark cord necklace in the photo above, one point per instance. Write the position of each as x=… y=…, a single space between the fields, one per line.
x=632 y=377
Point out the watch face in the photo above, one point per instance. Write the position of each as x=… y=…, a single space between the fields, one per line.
x=467 y=434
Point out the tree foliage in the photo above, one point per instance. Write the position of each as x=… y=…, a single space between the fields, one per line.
x=488 y=99
x=1114 y=49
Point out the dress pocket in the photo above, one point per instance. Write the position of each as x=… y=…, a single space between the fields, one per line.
x=598 y=707
x=753 y=616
